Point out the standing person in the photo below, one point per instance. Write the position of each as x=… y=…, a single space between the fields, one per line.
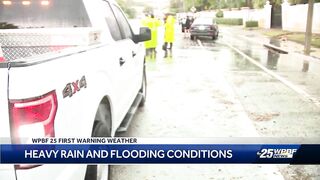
x=187 y=26
x=153 y=24
x=146 y=23
x=168 y=34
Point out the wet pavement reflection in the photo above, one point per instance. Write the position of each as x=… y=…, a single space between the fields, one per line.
x=273 y=56
x=288 y=66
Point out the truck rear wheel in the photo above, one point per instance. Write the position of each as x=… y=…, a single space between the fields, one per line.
x=102 y=121
x=101 y=128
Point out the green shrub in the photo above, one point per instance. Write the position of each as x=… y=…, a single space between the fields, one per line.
x=252 y=24
x=4 y=25
x=219 y=14
x=229 y=21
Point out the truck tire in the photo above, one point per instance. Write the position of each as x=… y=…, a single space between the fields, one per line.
x=101 y=128
x=143 y=89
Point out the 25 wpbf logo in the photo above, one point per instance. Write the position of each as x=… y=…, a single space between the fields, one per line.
x=276 y=153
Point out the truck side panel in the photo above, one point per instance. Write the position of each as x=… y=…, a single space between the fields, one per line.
x=4 y=115
x=6 y=171
x=75 y=111
x=77 y=104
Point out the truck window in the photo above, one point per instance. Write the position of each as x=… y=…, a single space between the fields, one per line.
x=18 y=14
x=112 y=22
x=123 y=23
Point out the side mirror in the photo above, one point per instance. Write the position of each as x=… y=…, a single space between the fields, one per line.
x=144 y=35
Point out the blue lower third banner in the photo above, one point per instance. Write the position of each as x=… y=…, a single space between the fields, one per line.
x=160 y=153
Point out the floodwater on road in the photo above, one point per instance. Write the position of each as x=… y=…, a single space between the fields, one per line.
x=209 y=90
x=288 y=66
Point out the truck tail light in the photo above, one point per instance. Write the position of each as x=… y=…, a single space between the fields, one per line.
x=1 y=55
x=33 y=117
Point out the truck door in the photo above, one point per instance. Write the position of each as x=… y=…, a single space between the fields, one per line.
x=122 y=53
x=134 y=64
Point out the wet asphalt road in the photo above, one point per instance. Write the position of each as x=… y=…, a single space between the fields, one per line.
x=208 y=90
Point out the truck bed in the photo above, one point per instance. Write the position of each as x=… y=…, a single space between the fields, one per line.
x=23 y=43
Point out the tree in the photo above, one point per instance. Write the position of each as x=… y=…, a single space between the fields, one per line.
x=185 y=5
x=176 y=6
x=188 y=4
x=301 y=1
x=249 y=3
x=148 y=9
x=198 y=4
x=214 y=4
x=276 y=2
x=258 y=3
x=130 y=12
x=236 y=3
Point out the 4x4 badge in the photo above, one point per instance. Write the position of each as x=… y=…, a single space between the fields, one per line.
x=74 y=87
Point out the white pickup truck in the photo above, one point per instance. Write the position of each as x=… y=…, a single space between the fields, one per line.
x=68 y=68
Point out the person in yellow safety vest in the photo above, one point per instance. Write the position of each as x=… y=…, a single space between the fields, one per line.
x=144 y=23
x=169 y=33
x=152 y=23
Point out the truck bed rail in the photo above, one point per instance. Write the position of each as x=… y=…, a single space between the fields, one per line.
x=22 y=43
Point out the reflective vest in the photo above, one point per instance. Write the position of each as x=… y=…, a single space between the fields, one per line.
x=152 y=24
x=169 y=29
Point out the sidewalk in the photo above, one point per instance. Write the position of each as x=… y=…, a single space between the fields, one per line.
x=281 y=44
